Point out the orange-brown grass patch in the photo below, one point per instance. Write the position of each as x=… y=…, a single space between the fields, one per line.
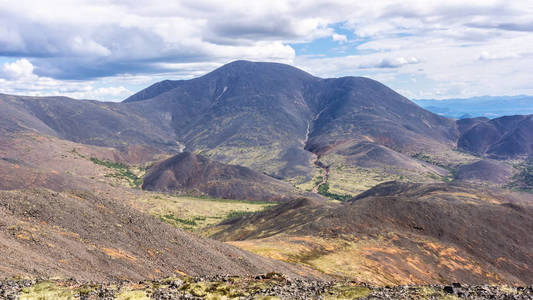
x=119 y=254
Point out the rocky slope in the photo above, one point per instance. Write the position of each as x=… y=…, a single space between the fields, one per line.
x=78 y=235
x=86 y=122
x=271 y=119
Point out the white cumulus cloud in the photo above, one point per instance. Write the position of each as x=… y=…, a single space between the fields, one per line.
x=21 y=68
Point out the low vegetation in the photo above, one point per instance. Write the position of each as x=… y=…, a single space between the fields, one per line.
x=46 y=290
x=523 y=180
x=179 y=222
x=196 y=213
x=448 y=178
x=323 y=190
x=122 y=171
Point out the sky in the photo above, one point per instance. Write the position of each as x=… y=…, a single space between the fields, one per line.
x=108 y=50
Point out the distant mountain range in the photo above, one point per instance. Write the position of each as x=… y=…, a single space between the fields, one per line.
x=485 y=106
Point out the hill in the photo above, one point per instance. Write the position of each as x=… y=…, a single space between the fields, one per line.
x=87 y=122
x=189 y=173
x=253 y=131
x=501 y=138
x=78 y=235
x=486 y=171
x=400 y=233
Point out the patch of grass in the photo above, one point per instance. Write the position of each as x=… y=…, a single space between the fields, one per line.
x=340 y=291
x=347 y=179
x=323 y=190
x=194 y=213
x=132 y=295
x=46 y=290
x=172 y=219
x=237 y=214
x=426 y=158
x=122 y=171
x=523 y=180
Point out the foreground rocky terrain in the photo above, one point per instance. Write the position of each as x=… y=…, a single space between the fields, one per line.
x=267 y=286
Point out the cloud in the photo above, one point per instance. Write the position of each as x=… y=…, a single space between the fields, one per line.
x=19 y=69
x=341 y=38
x=390 y=63
x=18 y=78
x=486 y=56
x=82 y=43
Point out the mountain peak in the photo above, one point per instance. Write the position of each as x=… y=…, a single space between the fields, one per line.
x=263 y=69
x=261 y=73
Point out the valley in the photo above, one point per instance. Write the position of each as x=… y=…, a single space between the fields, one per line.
x=259 y=168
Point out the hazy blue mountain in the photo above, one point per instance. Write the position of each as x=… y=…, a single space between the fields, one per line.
x=485 y=106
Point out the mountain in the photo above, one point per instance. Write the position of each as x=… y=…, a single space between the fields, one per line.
x=277 y=119
x=505 y=137
x=272 y=118
x=400 y=233
x=194 y=174
x=485 y=106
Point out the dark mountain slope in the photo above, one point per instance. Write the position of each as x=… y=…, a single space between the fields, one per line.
x=505 y=137
x=88 y=122
x=464 y=125
x=402 y=233
x=486 y=171
x=194 y=174
x=273 y=118
x=361 y=109
x=78 y=235
x=253 y=114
